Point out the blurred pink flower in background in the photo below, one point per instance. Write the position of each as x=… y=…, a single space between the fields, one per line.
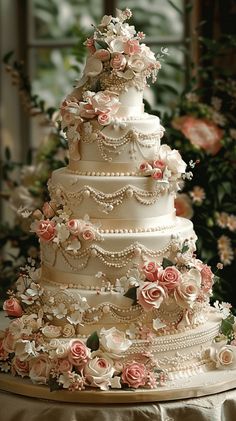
x=183 y=206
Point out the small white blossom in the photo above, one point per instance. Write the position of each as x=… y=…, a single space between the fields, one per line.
x=60 y=311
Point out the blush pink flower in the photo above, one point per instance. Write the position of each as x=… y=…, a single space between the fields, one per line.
x=157 y=174
x=132 y=47
x=150 y=295
x=158 y=163
x=20 y=367
x=134 y=375
x=39 y=369
x=3 y=352
x=88 y=234
x=64 y=365
x=118 y=62
x=183 y=206
x=78 y=353
x=170 y=278
x=9 y=343
x=13 y=307
x=202 y=133
x=89 y=43
x=46 y=230
x=207 y=278
x=151 y=271
x=87 y=110
x=145 y=167
x=74 y=226
x=104 y=119
x=102 y=55
x=48 y=209
x=105 y=102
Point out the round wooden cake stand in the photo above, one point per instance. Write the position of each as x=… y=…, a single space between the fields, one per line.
x=203 y=384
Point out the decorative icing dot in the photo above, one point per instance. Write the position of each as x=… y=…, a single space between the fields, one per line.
x=106 y=309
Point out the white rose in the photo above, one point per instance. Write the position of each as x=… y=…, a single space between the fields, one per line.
x=99 y=371
x=105 y=102
x=186 y=293
x=117 y=45
x=147 y=54
x=60 y=351
x=51 y=331
x=223 y=355
x=136 y=63
x=40 y=369
x=172 y=158
x=68 y=330
x=114 y=341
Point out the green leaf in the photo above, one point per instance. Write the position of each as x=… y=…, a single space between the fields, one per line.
x=184 y=248
x=101 y=43
x=166 y=262
x=175 y=7
x=227 y=326
x=53 y=384
x=93 y=341
x=132 y=294
x=7 y=57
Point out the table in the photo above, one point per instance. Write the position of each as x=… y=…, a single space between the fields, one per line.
x=218 y=407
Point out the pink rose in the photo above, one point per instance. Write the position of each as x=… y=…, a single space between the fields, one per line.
x=151 y=271
x=46 y=230
x=64 y=365
x=78 y=353
x=102 y=55
x=89 y=43
x=132 y=47
x=3 y=352
x=48 y=210
x=145 y=167
x=40 y=369
x=207 y=278
x=105 y=102
x=118 y=62
x=87 y=110
x=158 y=163
x=202 y=133
x=134 y=375
x=20 y=367
x=150 y=295
x=170 y=277
x=74 y=226
x=13 y=307
x=104 y=119
x=157 y=174
x=9 y=343
x=88 y=234
x=183 y=206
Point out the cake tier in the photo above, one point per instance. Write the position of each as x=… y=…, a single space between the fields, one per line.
x=115 y=253
x=126 y=142
x=116 y=203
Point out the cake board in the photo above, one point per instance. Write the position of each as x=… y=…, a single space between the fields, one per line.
x=203 y=384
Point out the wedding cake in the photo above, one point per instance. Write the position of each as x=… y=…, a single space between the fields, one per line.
x=121 y=300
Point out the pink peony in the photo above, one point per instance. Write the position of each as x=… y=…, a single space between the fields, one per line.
x=151 y=271
x=183 y=206
x=104 y=119
x=46 y=230
x=64 y=365
x=40 y=369
x=102 y=55
x=207 y=278
x=158 y=163
x=132 y=47
x=78 y=353
x=150 y=295
x=118 y=62
x=202 y=133
x=48 y=210
x=105 y=102
x=74 y=226
x=170 y=277
x=157 y=174
x=20 y=367
x=134 y=375
x=12 y=307
x=88 y=234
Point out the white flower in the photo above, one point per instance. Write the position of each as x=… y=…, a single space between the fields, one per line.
x=136 y=63
x=132 y=331
x=99 y=371
x=62 y=233
x=114 y=341
x=158 y=324
x=93 y=67
x=223 y=355
x=172 y=158
x=74 y=245
x=75 y=318
x=117 y=45
x=25 y=349
x=31 y=294
x=51 y=331
x=24 y=212
x=115 y=382
x=60 y=311
x=224 y=308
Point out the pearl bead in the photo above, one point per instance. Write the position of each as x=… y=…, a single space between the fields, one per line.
x=86 y=193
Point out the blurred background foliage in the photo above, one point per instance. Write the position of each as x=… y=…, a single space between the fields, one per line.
x=194 y=99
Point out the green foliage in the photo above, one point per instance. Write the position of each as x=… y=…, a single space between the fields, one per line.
x=132 y=294
x=93 y=341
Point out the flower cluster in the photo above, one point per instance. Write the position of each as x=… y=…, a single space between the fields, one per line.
x=168 y=165
x=54 y=225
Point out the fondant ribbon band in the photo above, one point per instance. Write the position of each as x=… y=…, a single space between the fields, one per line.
x=103 y=167
x=130 y=111
x=67 y=278
x=158 y=223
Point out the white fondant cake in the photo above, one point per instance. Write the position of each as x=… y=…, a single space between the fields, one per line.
x=120 y=300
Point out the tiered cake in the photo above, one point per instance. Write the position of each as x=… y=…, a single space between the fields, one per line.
x=120 y=301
